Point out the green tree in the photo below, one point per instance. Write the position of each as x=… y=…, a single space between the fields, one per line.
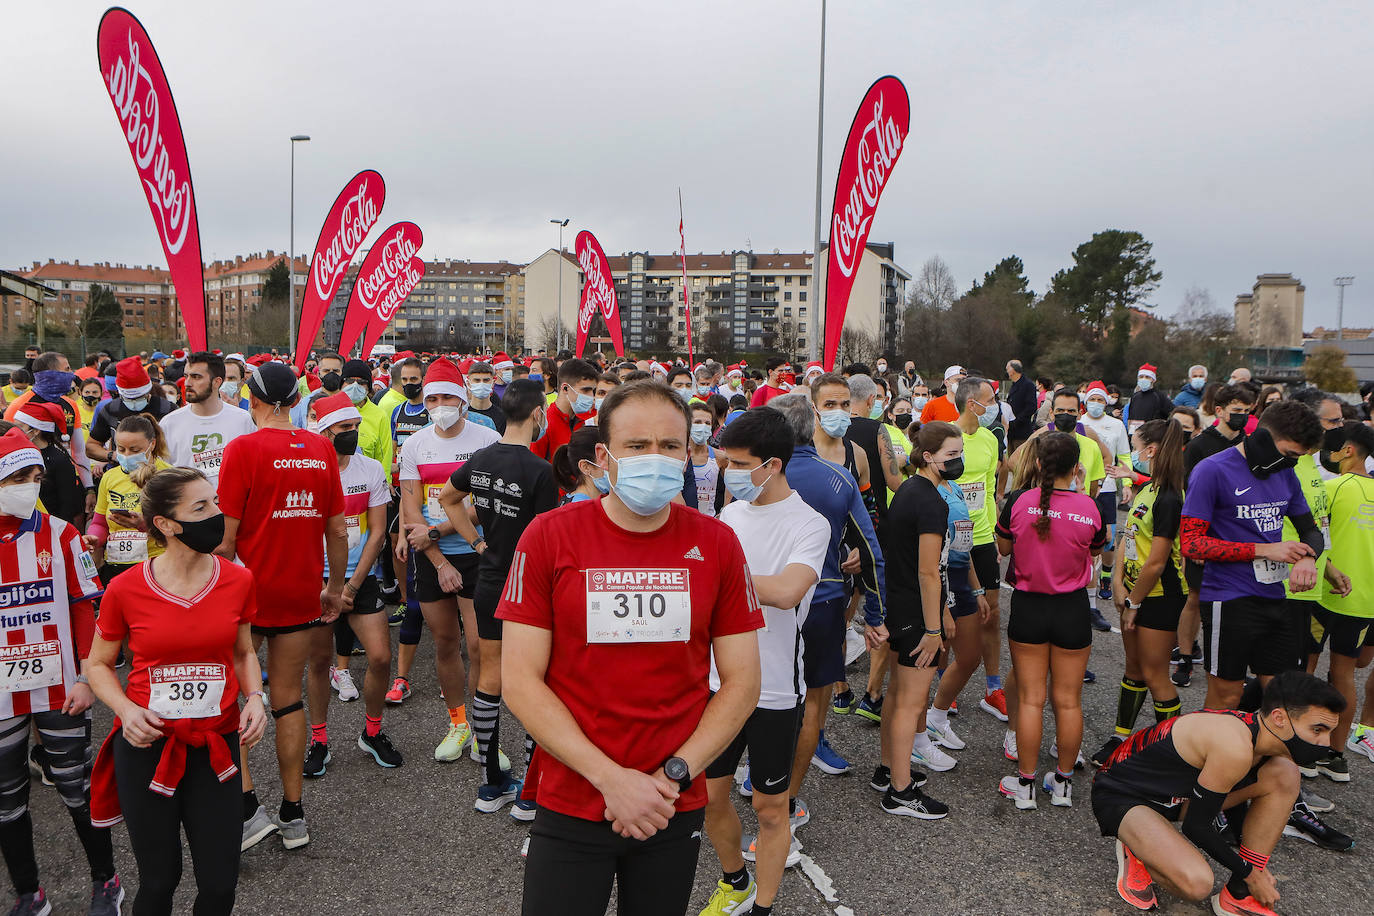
x=1325 y=367
x=1111 y=272
x=1009 y=277
x=272 y=312
x=102 y=323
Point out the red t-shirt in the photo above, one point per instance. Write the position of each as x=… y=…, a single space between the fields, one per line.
x=939 y=409
x=178 y=641
x=636 y=701
x=765 y=393
x=282 y=485
x=559 y=431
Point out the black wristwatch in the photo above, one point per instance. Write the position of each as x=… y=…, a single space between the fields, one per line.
x=675 y=768
x=434 y=533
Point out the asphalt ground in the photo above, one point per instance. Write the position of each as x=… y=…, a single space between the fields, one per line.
x=408 y=840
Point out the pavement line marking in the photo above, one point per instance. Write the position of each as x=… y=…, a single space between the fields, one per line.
x=822 y=883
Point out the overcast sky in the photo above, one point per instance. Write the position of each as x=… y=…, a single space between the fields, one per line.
x=1236 y=136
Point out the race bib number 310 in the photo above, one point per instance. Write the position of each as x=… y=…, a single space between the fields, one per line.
x=186 y=691
x=639 y=605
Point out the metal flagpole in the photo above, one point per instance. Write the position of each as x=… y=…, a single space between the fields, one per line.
x=817 y=303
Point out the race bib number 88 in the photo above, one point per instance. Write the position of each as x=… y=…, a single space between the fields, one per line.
x=639 y=605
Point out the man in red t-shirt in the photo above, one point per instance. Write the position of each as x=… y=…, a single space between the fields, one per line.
x=612 y=610
x=943 y=408
x=574 y=405
x=772 y=388
x=282 y=497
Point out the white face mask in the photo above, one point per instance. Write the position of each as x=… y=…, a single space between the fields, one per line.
x=445 y=415
x=229 y=389
x=19 y=500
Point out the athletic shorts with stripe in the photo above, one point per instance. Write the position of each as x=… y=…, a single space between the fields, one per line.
x=1259 y=635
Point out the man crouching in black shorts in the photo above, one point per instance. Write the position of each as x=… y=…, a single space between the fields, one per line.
x=1201 y=765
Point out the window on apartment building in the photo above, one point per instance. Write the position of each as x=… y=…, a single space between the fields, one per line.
x=802 y=279
x=801 y=296
x=787 y=297
x=801 y=325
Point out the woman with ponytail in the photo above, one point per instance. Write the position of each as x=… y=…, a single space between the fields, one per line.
x=1148 y=587
x=1056 y=530
x=575 y=463
x=140 y=451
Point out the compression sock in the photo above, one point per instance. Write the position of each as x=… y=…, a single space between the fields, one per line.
x=1106 y=577
x=529 y=750
x=486 y=719
x=1237 y=886
x=761 y=910
x=739 y=880
x=791 y=807
x=373 y=727
x=290 y=811
x=250 y=804
x=458 y=715
x=1169 y=709
x=1128 y=704
x=994 y=682
x=319 y=734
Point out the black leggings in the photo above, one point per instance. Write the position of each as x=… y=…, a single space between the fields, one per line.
x=572 y=863
x=211 y=812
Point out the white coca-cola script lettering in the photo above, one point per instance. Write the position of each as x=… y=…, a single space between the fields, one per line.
x=394 y=260
x=599 y=294
x=400 y=289
x=168 y=192
x=356 y=219
x=875 y=153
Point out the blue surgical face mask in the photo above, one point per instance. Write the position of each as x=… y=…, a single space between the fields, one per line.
x=1197 y=383
x=480 y=390
x=582 y=403
x=876 y=411
x=602 y=483
x=647 y=483
x=597 y=402
x=1142 y=465
x=356 y=392
x=918 y=403
x=506 y=375
x=704 y=390
x=835 y=422
x=127 y=463
x=685 y=394
x=988 y=417
x=536 y=376
x=740 y=483
x=1145 y=384
x=701 y=432
x=135 y=404
x=1096 y=409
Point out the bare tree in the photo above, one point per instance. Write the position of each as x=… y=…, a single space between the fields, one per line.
x=546 y=333
x=856 y=346
x=788 y=337
x=934 y=285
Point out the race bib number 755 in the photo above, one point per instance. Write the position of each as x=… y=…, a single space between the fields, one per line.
x=639 y=605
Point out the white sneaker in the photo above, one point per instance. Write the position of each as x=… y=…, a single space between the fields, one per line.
x=1059 y=790
x=1078 y=763
x=944 y=735
x=749 y=843
x=342 y=682
x=1362 y=742
x=478 y=757
x=932 y=758
x=1009 y=746
x=854 y=646
x=1022 y=794
x=451 y=748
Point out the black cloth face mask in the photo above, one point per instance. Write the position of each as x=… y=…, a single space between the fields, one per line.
x=1264 y=457
x=202 y=536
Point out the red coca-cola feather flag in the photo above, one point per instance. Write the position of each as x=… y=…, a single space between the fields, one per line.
x=387 y=260
x=143 y=103
x=598 y=292
x=353 y=215
x=389 y=301
x=875 y=141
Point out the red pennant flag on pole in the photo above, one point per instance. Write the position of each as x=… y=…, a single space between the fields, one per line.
x=388 y=259
x=389 y=301
x=686 y=294
x=148 y=116
x=353 y=215
x=875 y=141
x=598 y=293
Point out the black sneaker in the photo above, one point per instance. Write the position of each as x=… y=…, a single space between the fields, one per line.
x=38 y=764
x=1089 y=677
x=882 y=779
x=316 y=759
x=912 y=802
x=1304 y=824
x=1099 y=622
x=1175 y=656
x=1334 y=766
x=1183 y=674
x=381 y=749
x=1100 y=758
x=396 y=617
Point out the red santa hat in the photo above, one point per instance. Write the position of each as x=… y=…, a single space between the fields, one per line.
x=131 y=379
x=657 y=367
x=501 y=361
x=17 y=453
x=335 y=408
x=43 y=416
x=813 y=368
x=734 y=372
x=466 y=365
x=443 y=377
x=1148 y=370
x=1096 y=388
x=179 y=354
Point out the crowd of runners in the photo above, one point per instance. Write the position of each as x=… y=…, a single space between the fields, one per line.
x=663 y=571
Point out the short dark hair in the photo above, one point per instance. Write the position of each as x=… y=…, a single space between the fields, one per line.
x=1046 y=382
x=774 y=362
x=484 y=368
x=1359 y=435
x=1298 y=691
x=328 y=354
x=647 y=390
x=856 y=369
x=521 y=399
x=213 y=362
x=573 y=371
x=1064 y=392
x=1293 y=421
x=676 y=372
x=1228 y=393
x=45 y=361
x=826 y=378
x=764 y=433
x=22 y=376
x=636 y=375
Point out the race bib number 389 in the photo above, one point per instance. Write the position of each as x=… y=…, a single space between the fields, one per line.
x=639 y=605
x=186 y=691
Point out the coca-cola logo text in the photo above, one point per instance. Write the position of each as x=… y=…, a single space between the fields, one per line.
x=875 y=154
x=598 y=294
x=405 y=281
x=393 y=260
x=356 y=219
x=168 y=192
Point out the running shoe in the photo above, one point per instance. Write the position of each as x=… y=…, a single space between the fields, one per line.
x=944 y=736
x=727 y=901
x=399 y=692
x=294 y=833
x=882 y=778
x=1315 y=802
x=1304 y=824
x=843 y=703
x=482 y=758
x=827 y=760
x=1078 y=762
x=396 y=617
x=749 y=848
x=451 y=748
x=953 y=708
x=1197 y=652
x=1009 y=746
x=872 y=709
x=1100 y=623
x=390 y=593
x=1362 y=741
x=932 y=758
x=257 y=828
x=121 y=660
x=317 y=757
x=342 y=682
x=800 y=817
x=746 y=788
x=994 y=703
x=523 y=810
x=854 y=647
x=912 y=802
x=1022 y=793
x=1224 y=904
x=106 y=897
x=1334 y=767
x=381 y=749
x=1059 y=790
x=1105 y=752
x=1104 y=589
x=1133 y=881
x=38 y=764
x=1183 y=675
x=491 y=799
x=1176 y=656
x=35 y=904
x=1089 y=677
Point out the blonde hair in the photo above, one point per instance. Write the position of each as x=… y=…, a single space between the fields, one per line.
x=146 y=426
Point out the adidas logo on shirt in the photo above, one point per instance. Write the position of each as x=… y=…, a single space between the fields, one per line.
x=693 y=554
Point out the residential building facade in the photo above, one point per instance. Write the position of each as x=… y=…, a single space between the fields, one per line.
x=1270 y=315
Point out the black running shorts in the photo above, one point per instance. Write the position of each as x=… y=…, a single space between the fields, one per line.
x=368 y=600
x=988 y=566
x=770 y=736
x=1161 y=612
x=427 y=577
x=1261 y=635
x=823 y=643
x=1347 y=634
x=484 y=603
x=1063 y=621
x=1110 y=808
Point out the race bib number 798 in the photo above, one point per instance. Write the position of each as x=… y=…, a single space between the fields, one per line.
x=639 y=605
